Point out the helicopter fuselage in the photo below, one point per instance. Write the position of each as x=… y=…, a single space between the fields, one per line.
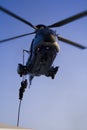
x=43 y=51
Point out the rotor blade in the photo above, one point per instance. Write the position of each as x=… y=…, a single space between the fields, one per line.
x=71 y=42
x=12 y=38
x=17 y=17
x=68 y=20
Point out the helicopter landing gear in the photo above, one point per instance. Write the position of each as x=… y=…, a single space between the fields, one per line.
x=22 y=70
x=52 y=72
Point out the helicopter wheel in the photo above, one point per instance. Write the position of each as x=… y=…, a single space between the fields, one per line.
x=52 y=72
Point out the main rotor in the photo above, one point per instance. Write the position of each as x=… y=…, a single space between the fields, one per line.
x=57 y=24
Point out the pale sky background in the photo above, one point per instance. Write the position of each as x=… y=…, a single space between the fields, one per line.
x=59 y=104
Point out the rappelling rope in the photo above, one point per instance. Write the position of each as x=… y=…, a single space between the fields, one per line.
x=23 y=63
x=24 y=84
x=18 y=113
x=21 y=91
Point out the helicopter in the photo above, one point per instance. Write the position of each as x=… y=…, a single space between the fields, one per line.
x=44 y=46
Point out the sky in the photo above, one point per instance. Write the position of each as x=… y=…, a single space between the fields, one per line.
x=59 y=104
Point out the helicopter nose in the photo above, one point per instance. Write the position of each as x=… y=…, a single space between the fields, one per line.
x=49 y=38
